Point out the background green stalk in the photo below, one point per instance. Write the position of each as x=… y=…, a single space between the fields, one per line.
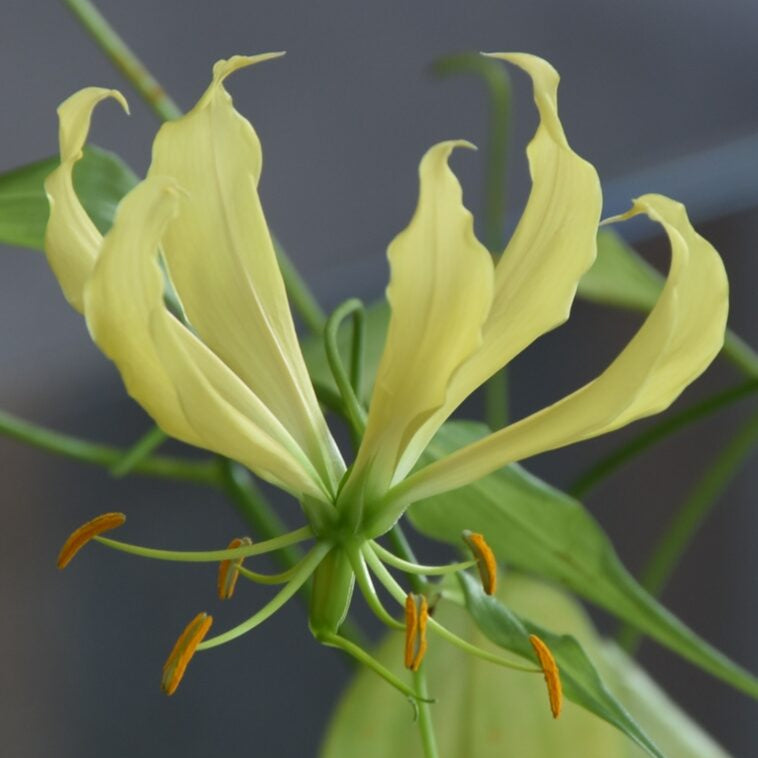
x=690 y=516
x=609 y=464
x=495 y=77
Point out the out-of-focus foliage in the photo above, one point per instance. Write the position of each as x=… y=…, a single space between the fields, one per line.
x=487 y=712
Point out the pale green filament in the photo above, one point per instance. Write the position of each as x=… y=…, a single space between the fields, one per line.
x=397 y=592
x=414 y=568
x=303 y=570
x=281 y=578
x=366 y=586
x=211 y=556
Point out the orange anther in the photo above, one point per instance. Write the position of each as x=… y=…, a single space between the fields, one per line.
x=79 y=538
x=416 y=617
x=229 y=570
x=183 y=650
x=552 y=675
x=485 y=560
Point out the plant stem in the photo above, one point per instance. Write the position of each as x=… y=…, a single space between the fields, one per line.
x=740 y=354
x=402 y=547
x=495 y=77
x=200 y=472
x=425 y=723
x=690 y=516
x=124 y=59
x=299 y=293
x=607 y=465
x=145 y=445
x=252 y=505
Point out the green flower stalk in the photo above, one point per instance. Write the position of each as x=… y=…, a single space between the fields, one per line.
x=227 y=374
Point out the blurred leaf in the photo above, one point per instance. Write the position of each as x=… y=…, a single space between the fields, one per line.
x=101 y=179
x=483 y=711
x=377 y=318
x=581 y=682
x=541 y=530
x=620 y=276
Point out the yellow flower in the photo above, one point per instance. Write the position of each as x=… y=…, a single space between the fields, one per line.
x=227 y=373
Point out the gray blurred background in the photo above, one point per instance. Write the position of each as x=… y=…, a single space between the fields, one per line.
x=344 y=118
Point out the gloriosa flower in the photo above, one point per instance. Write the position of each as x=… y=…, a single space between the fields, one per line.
x=227 y=373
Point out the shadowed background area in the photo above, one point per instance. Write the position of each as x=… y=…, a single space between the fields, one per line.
x=344 y=119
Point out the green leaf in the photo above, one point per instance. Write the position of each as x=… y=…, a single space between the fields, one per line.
x=620 y=276
x=483 y=711
x=101 y=179
x=541 y=530
x=581 y=682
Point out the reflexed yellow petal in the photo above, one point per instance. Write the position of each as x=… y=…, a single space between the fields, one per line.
x=72 y=242
x=224 y=268
x=680 y=337
x=440 y=293
x=187 y=389
x=553 y=245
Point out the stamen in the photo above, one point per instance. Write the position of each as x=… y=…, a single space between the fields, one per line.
x=86 y=532
x=416 y=618
x=415 y=568
x=212 y=556
x=184 y=649
x=229 y=570
x=485 y=560
x=552 y=675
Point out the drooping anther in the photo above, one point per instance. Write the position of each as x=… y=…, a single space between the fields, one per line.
x=183 y=650
x=229 y=570
x=552 y=675
x=485 y=560
x=86 y=532
x=416 y=617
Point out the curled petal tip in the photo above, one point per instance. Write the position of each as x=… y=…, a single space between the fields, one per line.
x=87 y=532
x=227 y=66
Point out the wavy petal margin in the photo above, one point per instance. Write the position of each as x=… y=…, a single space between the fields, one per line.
x=180 y=382
x=679 y=339
x=440 y=293
x=223 y=265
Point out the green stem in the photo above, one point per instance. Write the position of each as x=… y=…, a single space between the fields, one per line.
x=299 y=293
x=344 y=381
x=201 y=472
x=241 y=489
x=498 y=83
x=124 y=59
x=610 y=463
x=690 y=517
x=496 y=404
x=145 y=445
x=425 y=723
x=740 y=354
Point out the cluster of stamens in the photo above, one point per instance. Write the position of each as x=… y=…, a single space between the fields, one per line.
x=370 y=558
